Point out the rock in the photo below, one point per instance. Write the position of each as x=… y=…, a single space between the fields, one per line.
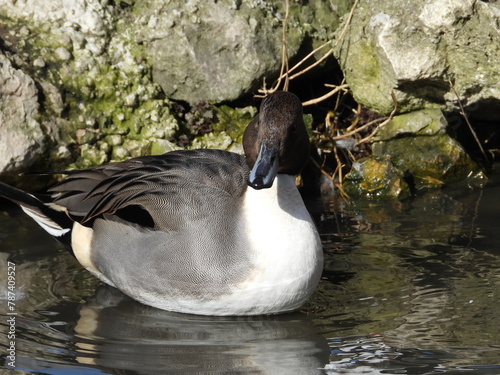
x=218 y=50
x=417 y=48
x=62 y=53
x=427 y=122
x=373 y=177
x=219 y=141
x=39 y=63
x=161 y=146
x=23 y=139
x=419 y=145
x=83 y=23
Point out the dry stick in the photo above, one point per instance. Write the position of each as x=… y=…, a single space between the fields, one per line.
x=391 y=115
x=326 y=96
x=337 y=41
x=338 y=171
x=324 y=57
x=357 y=130
x=284 y=69
x=462 y=111
x=304 y=60
x=356 y=119
x=296 y=66
x=320 y=168
x=286 y=74
x=347 y=24
x=337 y=101
x=284 y=50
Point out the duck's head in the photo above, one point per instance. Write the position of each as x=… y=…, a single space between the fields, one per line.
x=276 y=141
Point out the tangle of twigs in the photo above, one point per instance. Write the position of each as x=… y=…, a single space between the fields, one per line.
x=334 y=139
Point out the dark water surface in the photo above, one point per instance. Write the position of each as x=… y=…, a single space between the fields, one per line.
x=409 y=287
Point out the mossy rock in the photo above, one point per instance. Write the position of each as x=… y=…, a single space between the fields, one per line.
x=419 y=147
x=376 y=177
x=418 y=144
x=432 y=161
x=426 y=122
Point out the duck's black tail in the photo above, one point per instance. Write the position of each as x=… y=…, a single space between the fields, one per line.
x=52 y=218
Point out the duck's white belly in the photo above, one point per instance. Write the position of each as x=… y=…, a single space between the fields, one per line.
x=287 y=254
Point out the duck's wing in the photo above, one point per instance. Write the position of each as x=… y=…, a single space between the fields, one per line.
x=158 y=192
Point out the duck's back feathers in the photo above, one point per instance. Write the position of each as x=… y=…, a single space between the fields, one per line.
x=144 y=189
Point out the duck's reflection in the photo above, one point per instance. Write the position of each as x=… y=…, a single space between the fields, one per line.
x=117 y=333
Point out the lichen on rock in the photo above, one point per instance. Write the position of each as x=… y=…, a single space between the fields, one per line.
x=99 y=71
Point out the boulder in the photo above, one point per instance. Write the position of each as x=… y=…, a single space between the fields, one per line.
x=220 y=50
x=420 y=49
x=419 y=146
x=23 y=139
x=412 y=152
x=376 y=178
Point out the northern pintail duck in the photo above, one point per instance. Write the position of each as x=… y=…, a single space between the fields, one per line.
x=202 y=231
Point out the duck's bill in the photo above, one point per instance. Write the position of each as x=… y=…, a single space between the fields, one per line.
x=265 y=168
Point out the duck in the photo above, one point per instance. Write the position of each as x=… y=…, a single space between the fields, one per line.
x=204 y=231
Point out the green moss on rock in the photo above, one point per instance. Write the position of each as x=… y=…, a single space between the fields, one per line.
x=419 y=145
x=378 y=178
x=233 y=121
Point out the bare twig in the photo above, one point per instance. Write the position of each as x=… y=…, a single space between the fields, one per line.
x=309 y=55
x=326 y=96
x=313 y=65
x=356 y=119
x=338 y=173
x=357 y=130
x=391 y=115
x=464 y=114
x=284 y=51
x=320 y=60
x=347 y=24
x=286 y=70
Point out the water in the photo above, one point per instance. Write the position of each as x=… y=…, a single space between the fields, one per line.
x=409 y=287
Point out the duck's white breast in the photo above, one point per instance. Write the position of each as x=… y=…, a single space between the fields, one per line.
x=286 y=249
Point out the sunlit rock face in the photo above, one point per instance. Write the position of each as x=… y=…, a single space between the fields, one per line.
x=219 y=50
x=420 y=49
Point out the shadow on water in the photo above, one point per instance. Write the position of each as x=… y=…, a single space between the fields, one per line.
x=409 y=287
